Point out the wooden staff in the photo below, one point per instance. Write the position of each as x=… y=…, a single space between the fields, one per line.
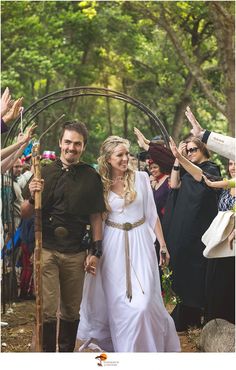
x=38 y=244
x=37 y=251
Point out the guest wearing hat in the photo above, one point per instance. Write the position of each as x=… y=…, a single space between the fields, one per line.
x=159 y=166
x=157 y=151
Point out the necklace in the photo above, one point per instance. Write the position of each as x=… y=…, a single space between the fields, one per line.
x=117 y=179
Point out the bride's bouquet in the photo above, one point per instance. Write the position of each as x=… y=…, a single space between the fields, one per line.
x=169 y=297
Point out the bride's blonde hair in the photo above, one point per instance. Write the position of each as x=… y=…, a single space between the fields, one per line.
x=105 y=169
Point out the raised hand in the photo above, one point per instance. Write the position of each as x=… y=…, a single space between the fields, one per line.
x=27 y=136
x=14 y=111
x=174 y=148
x=182 y=148
x=197 y=130
x=5 y=101
x=142 y=141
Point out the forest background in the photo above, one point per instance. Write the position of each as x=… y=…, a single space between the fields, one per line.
x=167 y=54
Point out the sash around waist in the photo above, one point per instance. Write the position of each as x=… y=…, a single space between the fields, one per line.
x=125 y=226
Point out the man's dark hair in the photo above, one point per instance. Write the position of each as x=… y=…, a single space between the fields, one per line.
x=75 y=126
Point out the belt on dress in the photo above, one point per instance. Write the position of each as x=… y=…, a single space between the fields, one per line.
x=127 y=226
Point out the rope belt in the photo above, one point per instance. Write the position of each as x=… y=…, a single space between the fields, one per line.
x=127 y=226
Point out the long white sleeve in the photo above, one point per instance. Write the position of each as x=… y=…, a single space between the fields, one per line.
x=149 y=203
x=221 y=144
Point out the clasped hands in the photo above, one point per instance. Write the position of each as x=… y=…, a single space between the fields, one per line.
x=90 y=264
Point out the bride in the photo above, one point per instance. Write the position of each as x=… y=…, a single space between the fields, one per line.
x=122 y=307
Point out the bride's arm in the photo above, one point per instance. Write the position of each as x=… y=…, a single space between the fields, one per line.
x=164 y=254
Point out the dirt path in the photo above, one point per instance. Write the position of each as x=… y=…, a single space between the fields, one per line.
x=17 y=336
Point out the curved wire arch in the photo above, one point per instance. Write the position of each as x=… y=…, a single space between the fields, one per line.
x=49 y=100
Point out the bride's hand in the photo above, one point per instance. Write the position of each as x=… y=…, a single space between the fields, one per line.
x=90 y=264
x=164 y=256
x=142 y=141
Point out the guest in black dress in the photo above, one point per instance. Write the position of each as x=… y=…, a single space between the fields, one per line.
x=194 y=208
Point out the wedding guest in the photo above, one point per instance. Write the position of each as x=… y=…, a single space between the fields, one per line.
x=192 y=212
x=160 y=166
x=220 y=280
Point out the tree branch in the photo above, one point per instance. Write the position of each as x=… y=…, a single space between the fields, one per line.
x=221 y=10
x=194 y=70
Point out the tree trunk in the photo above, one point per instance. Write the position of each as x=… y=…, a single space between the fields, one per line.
x=230 y=109
x=193 y=68
x=184 y=101
x=224 y=23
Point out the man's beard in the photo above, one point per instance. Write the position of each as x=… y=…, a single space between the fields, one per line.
x=72 y=160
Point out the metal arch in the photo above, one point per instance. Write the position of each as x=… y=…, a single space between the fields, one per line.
x=47 y=101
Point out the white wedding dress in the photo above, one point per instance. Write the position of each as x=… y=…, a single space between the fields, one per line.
x=106 y=315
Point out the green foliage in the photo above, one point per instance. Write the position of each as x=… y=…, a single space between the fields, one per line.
x=53 y=45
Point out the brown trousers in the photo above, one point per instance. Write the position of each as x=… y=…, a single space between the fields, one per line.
x=63 y=279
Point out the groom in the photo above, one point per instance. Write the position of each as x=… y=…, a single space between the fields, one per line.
x=72 y=197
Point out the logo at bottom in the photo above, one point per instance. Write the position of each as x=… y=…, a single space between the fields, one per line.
x=102 y=357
